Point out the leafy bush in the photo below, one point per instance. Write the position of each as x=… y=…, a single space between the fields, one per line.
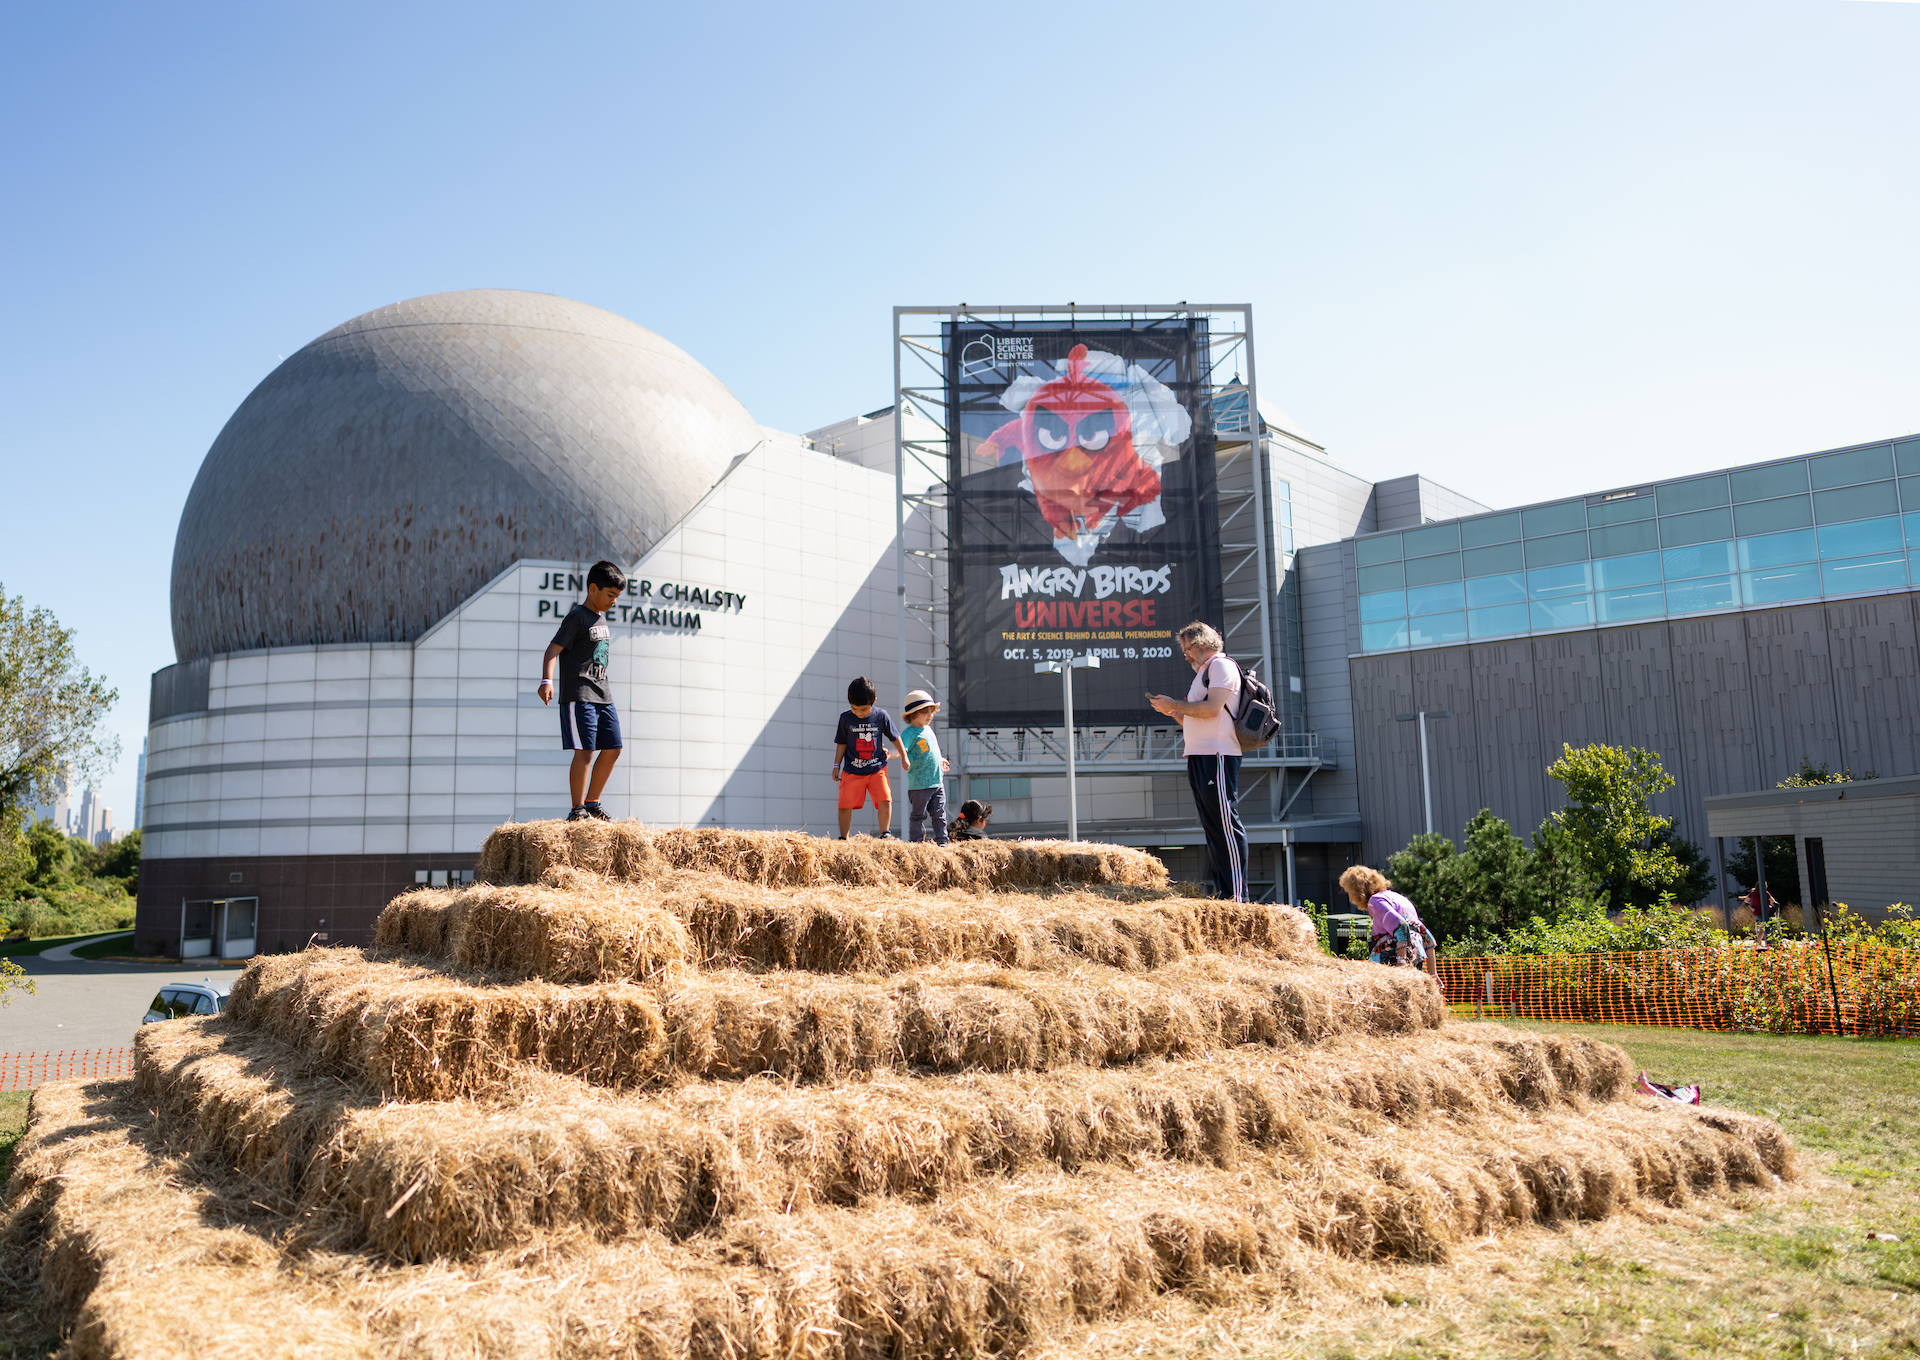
x=84 y=909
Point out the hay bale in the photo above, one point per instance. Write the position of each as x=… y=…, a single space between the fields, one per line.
x=523 y=852
x=147 y=1247
x=423 y=1031
x=598 y=929
x=415 y=1181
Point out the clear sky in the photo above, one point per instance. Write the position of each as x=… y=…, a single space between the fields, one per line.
x=1527 y=249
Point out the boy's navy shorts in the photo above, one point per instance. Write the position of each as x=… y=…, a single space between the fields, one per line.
x=589 y=727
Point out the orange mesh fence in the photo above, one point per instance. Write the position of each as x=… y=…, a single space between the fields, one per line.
x=1797 y=987
x=24 y=1071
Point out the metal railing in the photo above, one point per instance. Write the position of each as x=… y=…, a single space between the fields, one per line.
x=1120 y=750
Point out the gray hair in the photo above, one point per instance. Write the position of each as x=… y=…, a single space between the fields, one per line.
x=1201 y=635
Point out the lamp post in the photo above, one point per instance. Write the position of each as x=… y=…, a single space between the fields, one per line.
x=1065 y=670
x=1426 y=770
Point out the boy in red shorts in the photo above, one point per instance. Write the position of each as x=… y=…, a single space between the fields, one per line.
x=860 y=756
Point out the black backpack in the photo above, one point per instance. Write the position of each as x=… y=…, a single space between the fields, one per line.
x=1256 y=718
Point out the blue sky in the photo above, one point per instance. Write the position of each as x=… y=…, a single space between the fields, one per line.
x=1526 y=249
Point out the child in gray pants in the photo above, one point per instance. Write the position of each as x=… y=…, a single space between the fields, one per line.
x=926 y=769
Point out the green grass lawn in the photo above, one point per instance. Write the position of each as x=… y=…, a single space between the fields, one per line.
x=118 y=945
x=1790 y=1273
x=14 y=948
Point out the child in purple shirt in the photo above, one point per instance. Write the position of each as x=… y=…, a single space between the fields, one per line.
x=1399 y=936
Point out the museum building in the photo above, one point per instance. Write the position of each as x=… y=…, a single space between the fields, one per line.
x=382 y=539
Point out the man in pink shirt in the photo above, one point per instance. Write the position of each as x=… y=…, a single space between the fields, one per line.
x=1213 y=753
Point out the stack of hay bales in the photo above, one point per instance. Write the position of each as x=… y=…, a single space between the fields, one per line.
x=706 y=1093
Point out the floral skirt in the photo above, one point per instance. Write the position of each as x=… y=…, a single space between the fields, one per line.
x=1405 y=947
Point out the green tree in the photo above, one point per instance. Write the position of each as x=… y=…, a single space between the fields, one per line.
x=1560 y=870
x=1696 y=880
x=51 y=709
x=1498 y=872
x=1491 y=884
x=1809 y=775
x=1607 y=816
x=1427 y=873
x=118 y=861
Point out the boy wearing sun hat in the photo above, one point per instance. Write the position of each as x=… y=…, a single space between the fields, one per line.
x=926 y=769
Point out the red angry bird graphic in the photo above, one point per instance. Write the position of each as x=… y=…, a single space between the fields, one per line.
x=1076 y=435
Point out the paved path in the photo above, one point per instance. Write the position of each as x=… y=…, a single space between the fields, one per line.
x=88 y=1003
x=63 y=953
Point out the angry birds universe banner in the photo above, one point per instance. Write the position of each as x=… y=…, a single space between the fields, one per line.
x=1084 y=517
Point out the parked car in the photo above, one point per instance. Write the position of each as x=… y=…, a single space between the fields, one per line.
x=179 y=999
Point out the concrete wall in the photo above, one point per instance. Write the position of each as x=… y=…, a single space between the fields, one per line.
x=1731 y=703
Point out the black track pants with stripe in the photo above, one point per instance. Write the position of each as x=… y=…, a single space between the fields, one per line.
x=1216 y=788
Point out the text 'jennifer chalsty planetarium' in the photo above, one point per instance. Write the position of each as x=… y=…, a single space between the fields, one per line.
x=376 y=551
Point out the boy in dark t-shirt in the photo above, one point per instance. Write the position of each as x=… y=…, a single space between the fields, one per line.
x=860 y=756
x=588 y=720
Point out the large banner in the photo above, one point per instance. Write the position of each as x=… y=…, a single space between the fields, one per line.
x=1084 y=516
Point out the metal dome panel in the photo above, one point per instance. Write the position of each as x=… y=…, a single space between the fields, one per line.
x=393 y=466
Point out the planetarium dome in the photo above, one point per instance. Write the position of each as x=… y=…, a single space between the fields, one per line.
x=389 y=469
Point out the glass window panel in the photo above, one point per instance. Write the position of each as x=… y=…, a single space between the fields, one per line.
x=1555 y=519
x=1372 y=551
x=1886 y=571
x=1571 y=612
x=1622 y=510
x=1780 y=583
x=1906 y=457
x=1282 y=490
x=1679 y=497
x=1776 y=550
x=1766 y=517
x=1283 y=512
x=1424 y=570
x=1550 y=552
x=1913 y=531
x=1853 y=502
x=1845 y=469
x=1436 y=599
x=1861 y=536
x=1616 y=539
x=1764 y=483
x=1475 y=533
x=1568 y=580
x=1910 y=493
x=1698 y=527
x=1435 y=538
x=1699 y=560
x=1491 y=590
x=1383 y=604
x=1286 y=541
x=1487 y=561
x=1378 y=637
x=1709 y=592
x=1388 y=577
x=1641 y=569
x=1505 y=618
x=1437 y=628
x=1641 y=602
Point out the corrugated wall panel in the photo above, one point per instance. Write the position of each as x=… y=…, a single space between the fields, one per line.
x=1636 y=667
x=1876 y=677
x=1512 y=781
x=1388 y=755
x=1443 y=682
x=1714 y=702
x=1570 y=700
x=1792 y=690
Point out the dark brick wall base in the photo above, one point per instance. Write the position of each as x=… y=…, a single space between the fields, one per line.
x=299 y=894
